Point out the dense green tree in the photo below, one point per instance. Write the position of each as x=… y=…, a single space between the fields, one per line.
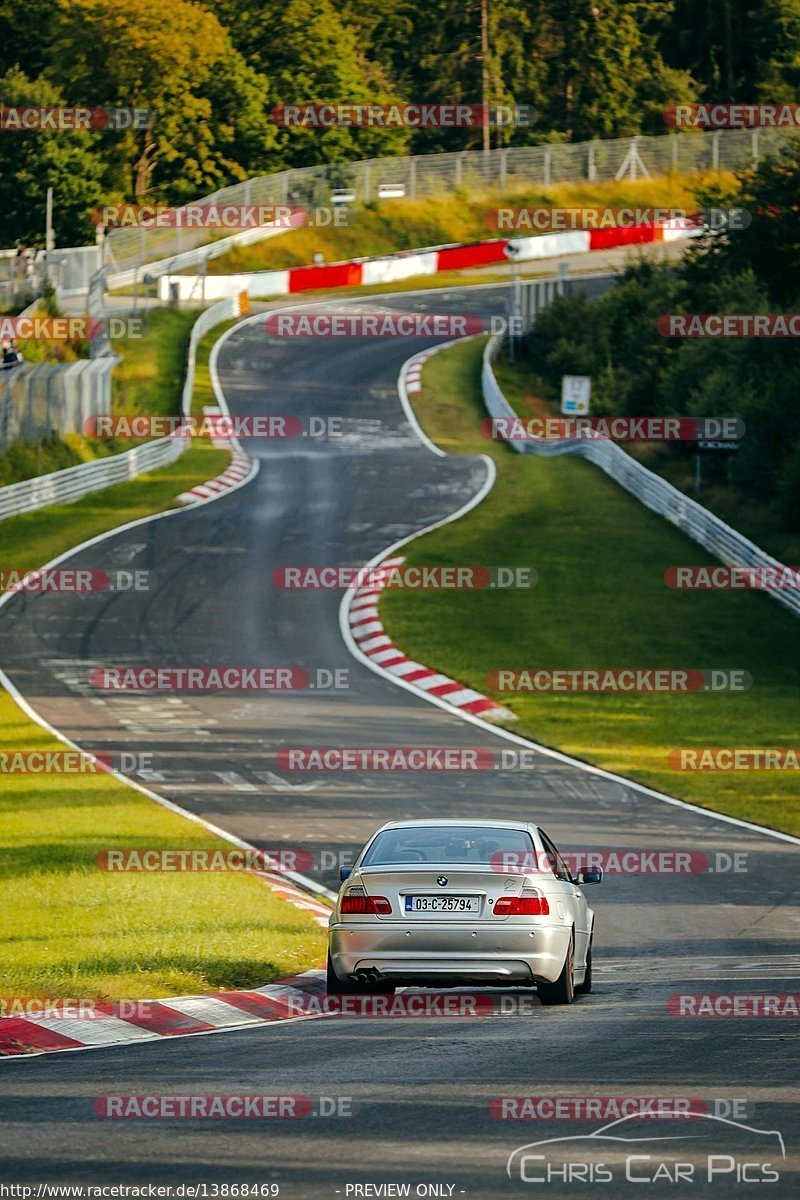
x=769 y=246
x=311 y=56
x=737 y=51
x=33 y=161
x=637 y=371
x=213 y=71
x=177 y=61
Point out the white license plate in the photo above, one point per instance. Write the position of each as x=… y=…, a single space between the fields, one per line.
x=443 y=904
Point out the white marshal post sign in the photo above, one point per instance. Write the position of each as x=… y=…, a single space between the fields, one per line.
x=576 y=391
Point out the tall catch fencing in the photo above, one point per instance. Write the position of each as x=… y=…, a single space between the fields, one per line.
x=60 y=487
x=472 y=170
x=37 y=399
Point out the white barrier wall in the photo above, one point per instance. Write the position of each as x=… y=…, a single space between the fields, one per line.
x=551 y=245
x=259 y=284
x=388 y=270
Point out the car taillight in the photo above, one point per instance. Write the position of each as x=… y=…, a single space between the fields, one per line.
x=357 y=902
x=529 y=904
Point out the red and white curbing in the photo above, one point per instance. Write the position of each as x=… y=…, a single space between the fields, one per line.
x=371 y=639
x=240 y=467
x=123 y=1022
x=413 y=375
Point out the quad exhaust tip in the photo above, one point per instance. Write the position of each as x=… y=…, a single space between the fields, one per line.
x=368 y=975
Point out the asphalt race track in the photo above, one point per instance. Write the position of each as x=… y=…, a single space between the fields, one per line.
x=420 y=1089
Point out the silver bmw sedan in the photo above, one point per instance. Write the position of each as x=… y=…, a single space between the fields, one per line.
x=462 y=903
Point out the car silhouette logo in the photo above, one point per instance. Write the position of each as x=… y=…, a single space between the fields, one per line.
x=705 y=1127
x=442 y=881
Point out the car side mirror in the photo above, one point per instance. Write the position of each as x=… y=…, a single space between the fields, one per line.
x=591 y=875
x=344 y=872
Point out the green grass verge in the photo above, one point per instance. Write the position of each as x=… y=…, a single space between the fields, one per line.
x=600 y=603
x=384 y=227
x=69 y=929
x=32 y=539
x=149 y=379
x=756 y=519
x=203 y=393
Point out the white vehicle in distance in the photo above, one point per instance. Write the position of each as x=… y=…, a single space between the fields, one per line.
x=462 y=903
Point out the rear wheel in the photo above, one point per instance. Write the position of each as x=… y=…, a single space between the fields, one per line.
x=583 y=989
x=563 y=990
x=337 y=986
x=377 y=989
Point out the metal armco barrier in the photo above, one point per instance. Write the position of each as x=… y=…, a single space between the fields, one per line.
x=729 y=546
x=61 y=487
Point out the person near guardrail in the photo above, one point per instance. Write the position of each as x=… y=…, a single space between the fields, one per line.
x=11 y=355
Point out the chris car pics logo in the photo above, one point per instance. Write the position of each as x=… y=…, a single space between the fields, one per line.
x=710 y=1150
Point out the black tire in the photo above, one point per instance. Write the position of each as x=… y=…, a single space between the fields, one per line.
x=377 y=989
x=335 y=985
x=563 y=990
x=583 y=989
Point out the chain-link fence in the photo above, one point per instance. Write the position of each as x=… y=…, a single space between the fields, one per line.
x=21 y=279
x=472 y=170
x=38 y=398
x=96 y=311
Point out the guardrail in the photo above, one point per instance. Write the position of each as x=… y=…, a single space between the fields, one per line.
x=61 y=487
x=708 y=530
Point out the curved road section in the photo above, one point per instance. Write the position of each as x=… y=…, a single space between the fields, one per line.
x=418 y=1092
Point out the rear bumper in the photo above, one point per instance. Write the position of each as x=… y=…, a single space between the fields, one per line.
x=430 y=955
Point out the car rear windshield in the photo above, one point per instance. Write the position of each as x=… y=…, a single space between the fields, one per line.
x=463 y=844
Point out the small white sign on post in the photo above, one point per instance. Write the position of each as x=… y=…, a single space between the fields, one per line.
x=576 y=391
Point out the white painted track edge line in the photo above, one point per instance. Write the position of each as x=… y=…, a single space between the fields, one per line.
x=302 y=881
x=557 y=755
